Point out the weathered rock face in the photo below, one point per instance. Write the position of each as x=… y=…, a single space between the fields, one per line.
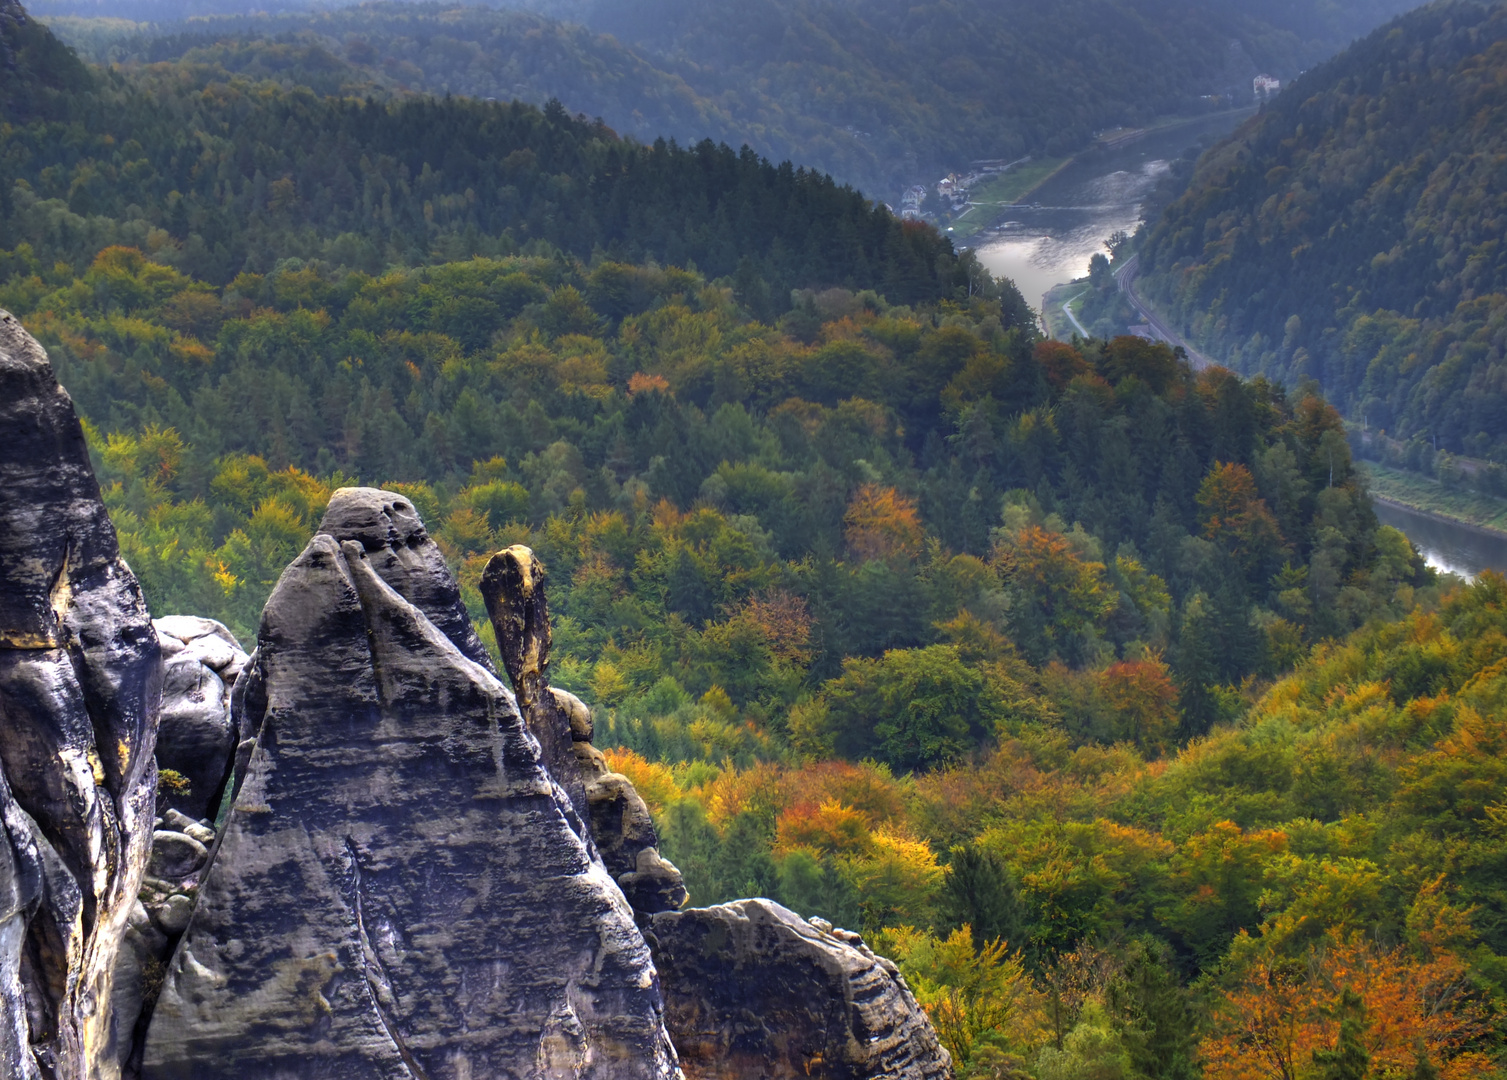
x=400 y=550
x=624 y=832
x=399 y=890
x=179 y=857
x=196 y=738
x=621 y=826
x=753 y=990
x=402 y=553
x=513 y=588
x=80 y=684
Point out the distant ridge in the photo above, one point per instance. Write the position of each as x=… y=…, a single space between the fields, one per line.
x=1353 y=233
x=34 y=67
x=881 y=94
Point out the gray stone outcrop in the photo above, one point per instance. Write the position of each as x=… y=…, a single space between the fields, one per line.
x=196 y=738
x=513 y=587
x=753 y=990
x=400 y=889
x=80 y=685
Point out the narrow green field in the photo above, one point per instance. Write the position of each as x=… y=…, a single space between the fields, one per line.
x=1057 y=323
x=1424 y=493
x=1019 y=182
x=1013 y=187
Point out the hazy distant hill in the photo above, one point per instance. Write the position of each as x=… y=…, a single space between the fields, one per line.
x=246 y=156
x=879 y=94
x=35 y=69
x=1354 y=232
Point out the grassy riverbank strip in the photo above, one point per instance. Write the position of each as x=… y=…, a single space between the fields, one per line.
x=1058 y=326
x=1008 y=189
x=1428 y=496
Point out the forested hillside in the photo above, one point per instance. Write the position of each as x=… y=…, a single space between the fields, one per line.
x=1353 y=233
x=1085 y=685
x=880 y=94
x=1332 y=865
x=889 y=468
x=36 y=70
x=218 y=173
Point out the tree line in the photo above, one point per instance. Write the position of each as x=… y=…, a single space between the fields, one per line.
x=218 y=174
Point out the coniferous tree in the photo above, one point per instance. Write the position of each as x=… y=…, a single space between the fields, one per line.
x=1349 y=1060
x=981 y=893
x=1149 y=1010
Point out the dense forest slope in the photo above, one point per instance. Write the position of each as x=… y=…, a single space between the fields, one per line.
x=220 y=173
x=878 y=94
x=1028 y=660
x=1333 y=864
x=740 y=509
x=1353 y=233
x=35 y=68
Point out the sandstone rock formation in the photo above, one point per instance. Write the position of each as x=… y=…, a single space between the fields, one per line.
x=196 y=743
x=80 y=683
x=196 y=739
x=399 y=890
x=179 y=857
x=753 y=990
x=513 y=587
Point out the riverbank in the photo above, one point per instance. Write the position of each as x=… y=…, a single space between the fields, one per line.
x=1061 y=221
x=1054 y=316
x=1485 y=514
x=1009 y=189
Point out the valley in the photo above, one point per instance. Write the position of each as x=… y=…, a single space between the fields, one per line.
x=515 y=562
x=1080 y=206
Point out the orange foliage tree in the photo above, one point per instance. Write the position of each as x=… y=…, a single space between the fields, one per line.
x=882 y=524
x=1279 y=1014
x=1142 y=702
x=1235 y=517
x=828 y=829
x=1060 y=363
x=1061 y=594
x=785 y=622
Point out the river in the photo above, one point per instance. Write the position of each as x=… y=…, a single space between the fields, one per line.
x=1102 y=192
x=1446 y=545
x=1097 y=194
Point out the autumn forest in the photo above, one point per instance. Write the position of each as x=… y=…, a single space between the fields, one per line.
x=1085 y=685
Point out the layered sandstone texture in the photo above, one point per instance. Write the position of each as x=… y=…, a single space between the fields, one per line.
x=80 y=685
x=752 y=990
x=400 y=889
x=513 y=587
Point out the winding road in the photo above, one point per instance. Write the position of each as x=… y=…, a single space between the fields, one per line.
x=1125 y=277
x=1068 y=311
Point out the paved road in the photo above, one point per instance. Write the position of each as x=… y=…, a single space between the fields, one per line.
x=1068 y=311
x=1126 y=276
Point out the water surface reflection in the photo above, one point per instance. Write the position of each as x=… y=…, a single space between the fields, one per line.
x=1445 y=545
x=1078 y=208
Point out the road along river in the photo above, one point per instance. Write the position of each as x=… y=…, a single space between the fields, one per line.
x=1101 y=192
x=1082 y=205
